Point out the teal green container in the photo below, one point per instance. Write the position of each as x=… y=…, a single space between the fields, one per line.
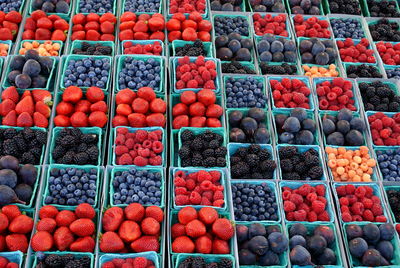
x=13 y=256
x=126 y=8
x=133 y=130
x=377 y=150
x=126 y=169
x=208 y=46
x=151 y=255
x=356 y=42
x=328 y=207
x=335 y=246
x=355 y=262
x=303 y=79
x=233 y=15
x=77 y=255
x=375 y=186
x=258 y=39
x=50 y=78
x=233 y=147
x=319 y=80
x=207 y=257
x=391 y=67
x=273 y=15
x=283 y=258
x=174 y=65
x=120 y=66
x=203 y=15
x=21 y=43
x=78 y=10
x=31 y=10
x=391 y=84
x=222 y=181
x=370 y=113
x=78 y=44
x=345 y=17
x=35 y=188
x=366 y=11
x=82 y=57
x=85 y=130
x=245 y=112
x=319 y=17
x=303 y=149
x=337 y=68
x=142 y=42
x=298 y=72
x=310 y=115
x=289 y=8
x=198 y=131
x=9 y=43
x=86 y=168
x=325 y=4
x=234 y=78
x=335 y=113
x=298 y=40
x=390 y=209
x=346 y=65
x=247 y=64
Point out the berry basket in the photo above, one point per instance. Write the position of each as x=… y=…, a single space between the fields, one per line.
x=68 y=58
x=112 y=157
x=151 y=255
x=87 y=168
x=258 y=39
x=125 y=8
x=393 y=85
x=329 y=208
x=272 y=184
x=374 y=20
x=233 y=147
x=376 y=156
x=321 y=115
x=259 y=78
x=10 y=46
x=223 y=182
x=125 y=169
x=78 y=10
x=340 y=71
x=35 y=188
x=344 y=17
x=197 y=131
x=204 y=15
x=13 y=256
x=31 y=9
x=317 y=81
x=370 y=113
x=279 y=78
x=249 y=65
x=297 y=65
x=78 y=255
x=370 y=46
x=366 y=7
x=302 y=149
x=78 y=44
x=386 y=187
x=336 y=247
x=374 y=176
x=245 y=111
x=283 y=258
x=85 y=130
x=50 y=79
x=20 y=44
x=289 y=8
x=327 y=9
x=141 y=42
x=336 y=60
x=310 y=115
x=319 y=17
x=208 y=46
x=392 y=68
x=377 y=66
x=119 y=61
x=232 y=15
x=179 y=258
x=353 y=262
x=288 y=28
x=377 y=191
x=174 y=63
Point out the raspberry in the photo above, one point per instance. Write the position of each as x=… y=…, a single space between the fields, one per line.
x=320 y=190
x=121 y=149
x=367 y=203
x=350 y=189
x=381 y=219
x=318 y=206
x=377 y=209
x=312 y=216
x=215 y=175
x=300 y=215
x=203 y=175
x=368 y=215
x=360 y=192
x=193 y=176
x=341 y=190
x=290 y=216
x=208 y=194
x=304 y=190
x=218 y=195
x=179 y=182
x=346 y=217
x=352 y=199
x=286 y=195
x=304 y=206
x=356 y=218
x=140 y=161
x=155 y=161
x=218 y=203
x=375 y=199
x=181 y=200
x=157 y=147
x=206 y=185
x=344 y=209
x=120 y=140
x=181 y=190
x=289 y=206
x=312 y=197
x=180 y=173
x=296 y=199
x=357 y=208
x=370 y=192
x=190 y=184
x=205 y=201
x=125 y=159
x=141 y=136
x=344 y=201
x=324 y=216
x=195 y=198
x=130 y=143
x=322 y=199
x=387 y=121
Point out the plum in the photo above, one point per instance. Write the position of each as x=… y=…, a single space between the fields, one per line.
x=8 y=177
x=9 y=162
x=259 y=245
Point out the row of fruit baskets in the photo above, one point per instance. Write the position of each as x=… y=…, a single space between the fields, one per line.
x=210 y=134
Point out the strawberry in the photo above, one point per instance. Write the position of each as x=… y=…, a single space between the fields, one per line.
x=223 y=228
x=150 y=226
x=108 y=17
x=42 y=95
x=120 y=120
x=195 y=228
x=92 y=17
x=82 y=106
x=183 y=244
x=208 y=215
x=124 y=35
x=113 y=218
x=42 y=241
x=48 y=211
x=100 y=106
x=178 y=230
x=2 y=243
x=46 y=224
x=146 y=243
x=206 y=96
x=62 y=121
x=111 y=242
x=92 y=25
x=6 y=106
x=94 y=94
x=39 y=120
x=25 y=105
x=82 y=227
x=72 y=94
x=30 y=24
x=155 y=120
x=186 y=215
x=97 y=119
x=79 y=35
x=64 y=108
x=125 y=96
x=10 y=93
x=85 y=210
x=146 y=93
x=24 y=120
x=129 y=231
x=92 y=35
x=134 y=212
x=158 y=106
x=83 y=244
x=43 y=109
x=137 y=120
x=4 y=222
x=37 y=14
x=79 y=19
x=11 y=211
x=21 y=224
x=107 y=27
x=61 y=24
x=26 y=94
x=79 y=119
x=13 y=16
x=6 y=34
x=45 y=23
x=65 y=218
x=203 y=245
x=155 y=213
x=220 y=247
x=17 y=242
x=128 y=16
x=43 y=34
x=63 y=238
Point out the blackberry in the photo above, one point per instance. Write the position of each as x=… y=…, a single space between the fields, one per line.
x=236 y=67
x=291 y=176
x=393 y=107
x=68 y=158
x=208 y=153
x=37 y=152
x=221 y=162
x=198 y=262
x=28 y=133
x=256 y=176
x=254 y=148
x=287 y=152
x=67 y=141
x=53 y=261
x=315 y=172
x=286 y=165
x=311 y=151
x=197 y=144
x=214 y=144
x=90 y=138
x=41 y=137
x=241 y=152
x=312 y=161
x=187 y=135
x=81 y=159
x=212 y=265
x=208 y=136
x=252 y=160
x=104 y=50
x=296 y=159
x=20 y=142
x=93 y=153
x=10 y=133
x=235 y=159
x=268 y=165
x=382 y=107
x=85 y=46
x=186 y=162
x=67 y=258
x=184 y=152
x=210 y=162
x=264 y=155
x=82 y=148
x=239 y=170
x=195 y=49
x=301 y=169
x=220 y=151
x=197 y=162
x=225 y=263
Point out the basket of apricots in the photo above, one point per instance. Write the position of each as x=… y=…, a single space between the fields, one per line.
x=351 y=165
x=319 y=71
x=4 y=47
x=46 y=48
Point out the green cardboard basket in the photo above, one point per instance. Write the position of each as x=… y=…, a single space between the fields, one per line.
x=298 y=69
x=208 y=46
x=78 y=10
x=289 y=8
x=85 y=130
x=125 y=5
x=366 y=11
x=247 y=64
x=263 y=14
x=9 y=43
x=151 y=255
x=346 y=17
x=378 y=149
x=13 y=256
x=346 y=65
x=35 y=188
x=78 y=44
x=327 y=9
x=337 y=68
x=207 y=257
x=142 y=42
x=82 y=57
x=319 y=17
x=335 y=61
x=258 y=39
x=233 y=15
x=356 y=42
x=21 y=42
x=126 y=169
x=86 y=168
x=397 y=189
x=76 y=254
x=31 y=10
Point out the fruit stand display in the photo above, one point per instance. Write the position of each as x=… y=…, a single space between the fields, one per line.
x=199 y=133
